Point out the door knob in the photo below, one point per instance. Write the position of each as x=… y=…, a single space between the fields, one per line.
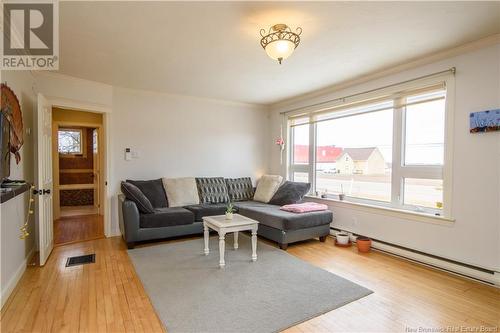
x=46 y=191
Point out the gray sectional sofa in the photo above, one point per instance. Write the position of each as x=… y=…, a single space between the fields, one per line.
x=164 y=222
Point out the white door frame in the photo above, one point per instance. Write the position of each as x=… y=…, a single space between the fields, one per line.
x=106 y=113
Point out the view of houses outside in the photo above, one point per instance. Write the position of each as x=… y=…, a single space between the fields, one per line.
x=354 y=154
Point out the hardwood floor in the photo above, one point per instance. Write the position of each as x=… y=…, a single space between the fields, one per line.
x=71 y=229
x=78 y=210
x=108 y=297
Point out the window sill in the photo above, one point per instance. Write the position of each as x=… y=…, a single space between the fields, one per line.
x=387 y=211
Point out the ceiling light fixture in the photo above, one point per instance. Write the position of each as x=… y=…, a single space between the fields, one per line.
x=280 y=41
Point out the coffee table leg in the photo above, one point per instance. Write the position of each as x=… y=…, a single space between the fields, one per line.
x=205 y=237
x=222 y=244
x=236 y=240
x=254 y=244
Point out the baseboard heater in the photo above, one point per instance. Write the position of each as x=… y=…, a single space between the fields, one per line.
x=454 y=267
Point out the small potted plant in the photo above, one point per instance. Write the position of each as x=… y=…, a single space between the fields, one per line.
x=341 y=194
x=364 y=244
x=342 y=238
x=229 y=211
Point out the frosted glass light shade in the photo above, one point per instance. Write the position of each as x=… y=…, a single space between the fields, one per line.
x=280 y=49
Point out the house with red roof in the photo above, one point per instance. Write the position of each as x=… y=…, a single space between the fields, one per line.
x=326 y=156
x=350 y=161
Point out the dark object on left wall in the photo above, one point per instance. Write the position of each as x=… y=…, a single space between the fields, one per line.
x=11 y=110
x=9 y=191
x=4 y=148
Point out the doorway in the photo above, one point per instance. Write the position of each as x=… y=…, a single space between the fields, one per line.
x=78 y=156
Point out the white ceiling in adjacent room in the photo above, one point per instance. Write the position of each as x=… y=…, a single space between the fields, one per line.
x=211 y=49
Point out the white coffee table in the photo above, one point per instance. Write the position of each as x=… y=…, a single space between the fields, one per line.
x=223 y=226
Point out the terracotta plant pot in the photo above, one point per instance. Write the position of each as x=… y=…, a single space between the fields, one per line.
x=364 y=244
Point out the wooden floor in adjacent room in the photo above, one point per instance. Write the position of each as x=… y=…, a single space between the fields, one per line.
x=71 y=229
x=78 y=210
x=108 y=297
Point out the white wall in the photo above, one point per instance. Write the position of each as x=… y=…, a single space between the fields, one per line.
x=179 y=136
x=174 y=135
x=63 y=87
x=15 y=252
x=476 y=168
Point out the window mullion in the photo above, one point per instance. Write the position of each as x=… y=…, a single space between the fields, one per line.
x=312 y=155
x=397 y=154
x=291 y=145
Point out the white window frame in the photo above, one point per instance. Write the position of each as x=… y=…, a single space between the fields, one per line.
x=400 y=171
x=306 y=168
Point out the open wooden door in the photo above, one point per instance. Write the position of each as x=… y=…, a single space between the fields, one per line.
x=43 y=178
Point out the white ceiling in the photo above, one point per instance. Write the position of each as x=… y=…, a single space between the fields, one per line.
x=211 y=49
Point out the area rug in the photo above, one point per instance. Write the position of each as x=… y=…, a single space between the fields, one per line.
x=190 y=293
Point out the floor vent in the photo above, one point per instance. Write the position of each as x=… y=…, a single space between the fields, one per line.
x=81 y=260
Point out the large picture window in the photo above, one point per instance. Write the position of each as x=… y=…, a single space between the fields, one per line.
x=387 y=151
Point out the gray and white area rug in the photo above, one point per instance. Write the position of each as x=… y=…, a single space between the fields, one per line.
x=190 y=293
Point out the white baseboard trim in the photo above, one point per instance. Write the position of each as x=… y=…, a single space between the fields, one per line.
x=114 y=233
x=8 y=288
x=477 y=274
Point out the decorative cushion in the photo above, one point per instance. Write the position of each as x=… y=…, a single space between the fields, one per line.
x=212 y=190
x=290 y=193
x=153 y=190
x=239 y=189
x=267 y=186
x=133 y=193
x=181 y=191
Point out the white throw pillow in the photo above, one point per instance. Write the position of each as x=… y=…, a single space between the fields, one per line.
x=181 y=191
x=267 y=186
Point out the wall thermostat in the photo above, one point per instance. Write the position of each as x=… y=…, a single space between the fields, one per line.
x=128 y=154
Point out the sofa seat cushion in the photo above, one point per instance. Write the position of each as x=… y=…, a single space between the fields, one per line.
x=166 y=217
x=272 y=216
x=202 y=210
